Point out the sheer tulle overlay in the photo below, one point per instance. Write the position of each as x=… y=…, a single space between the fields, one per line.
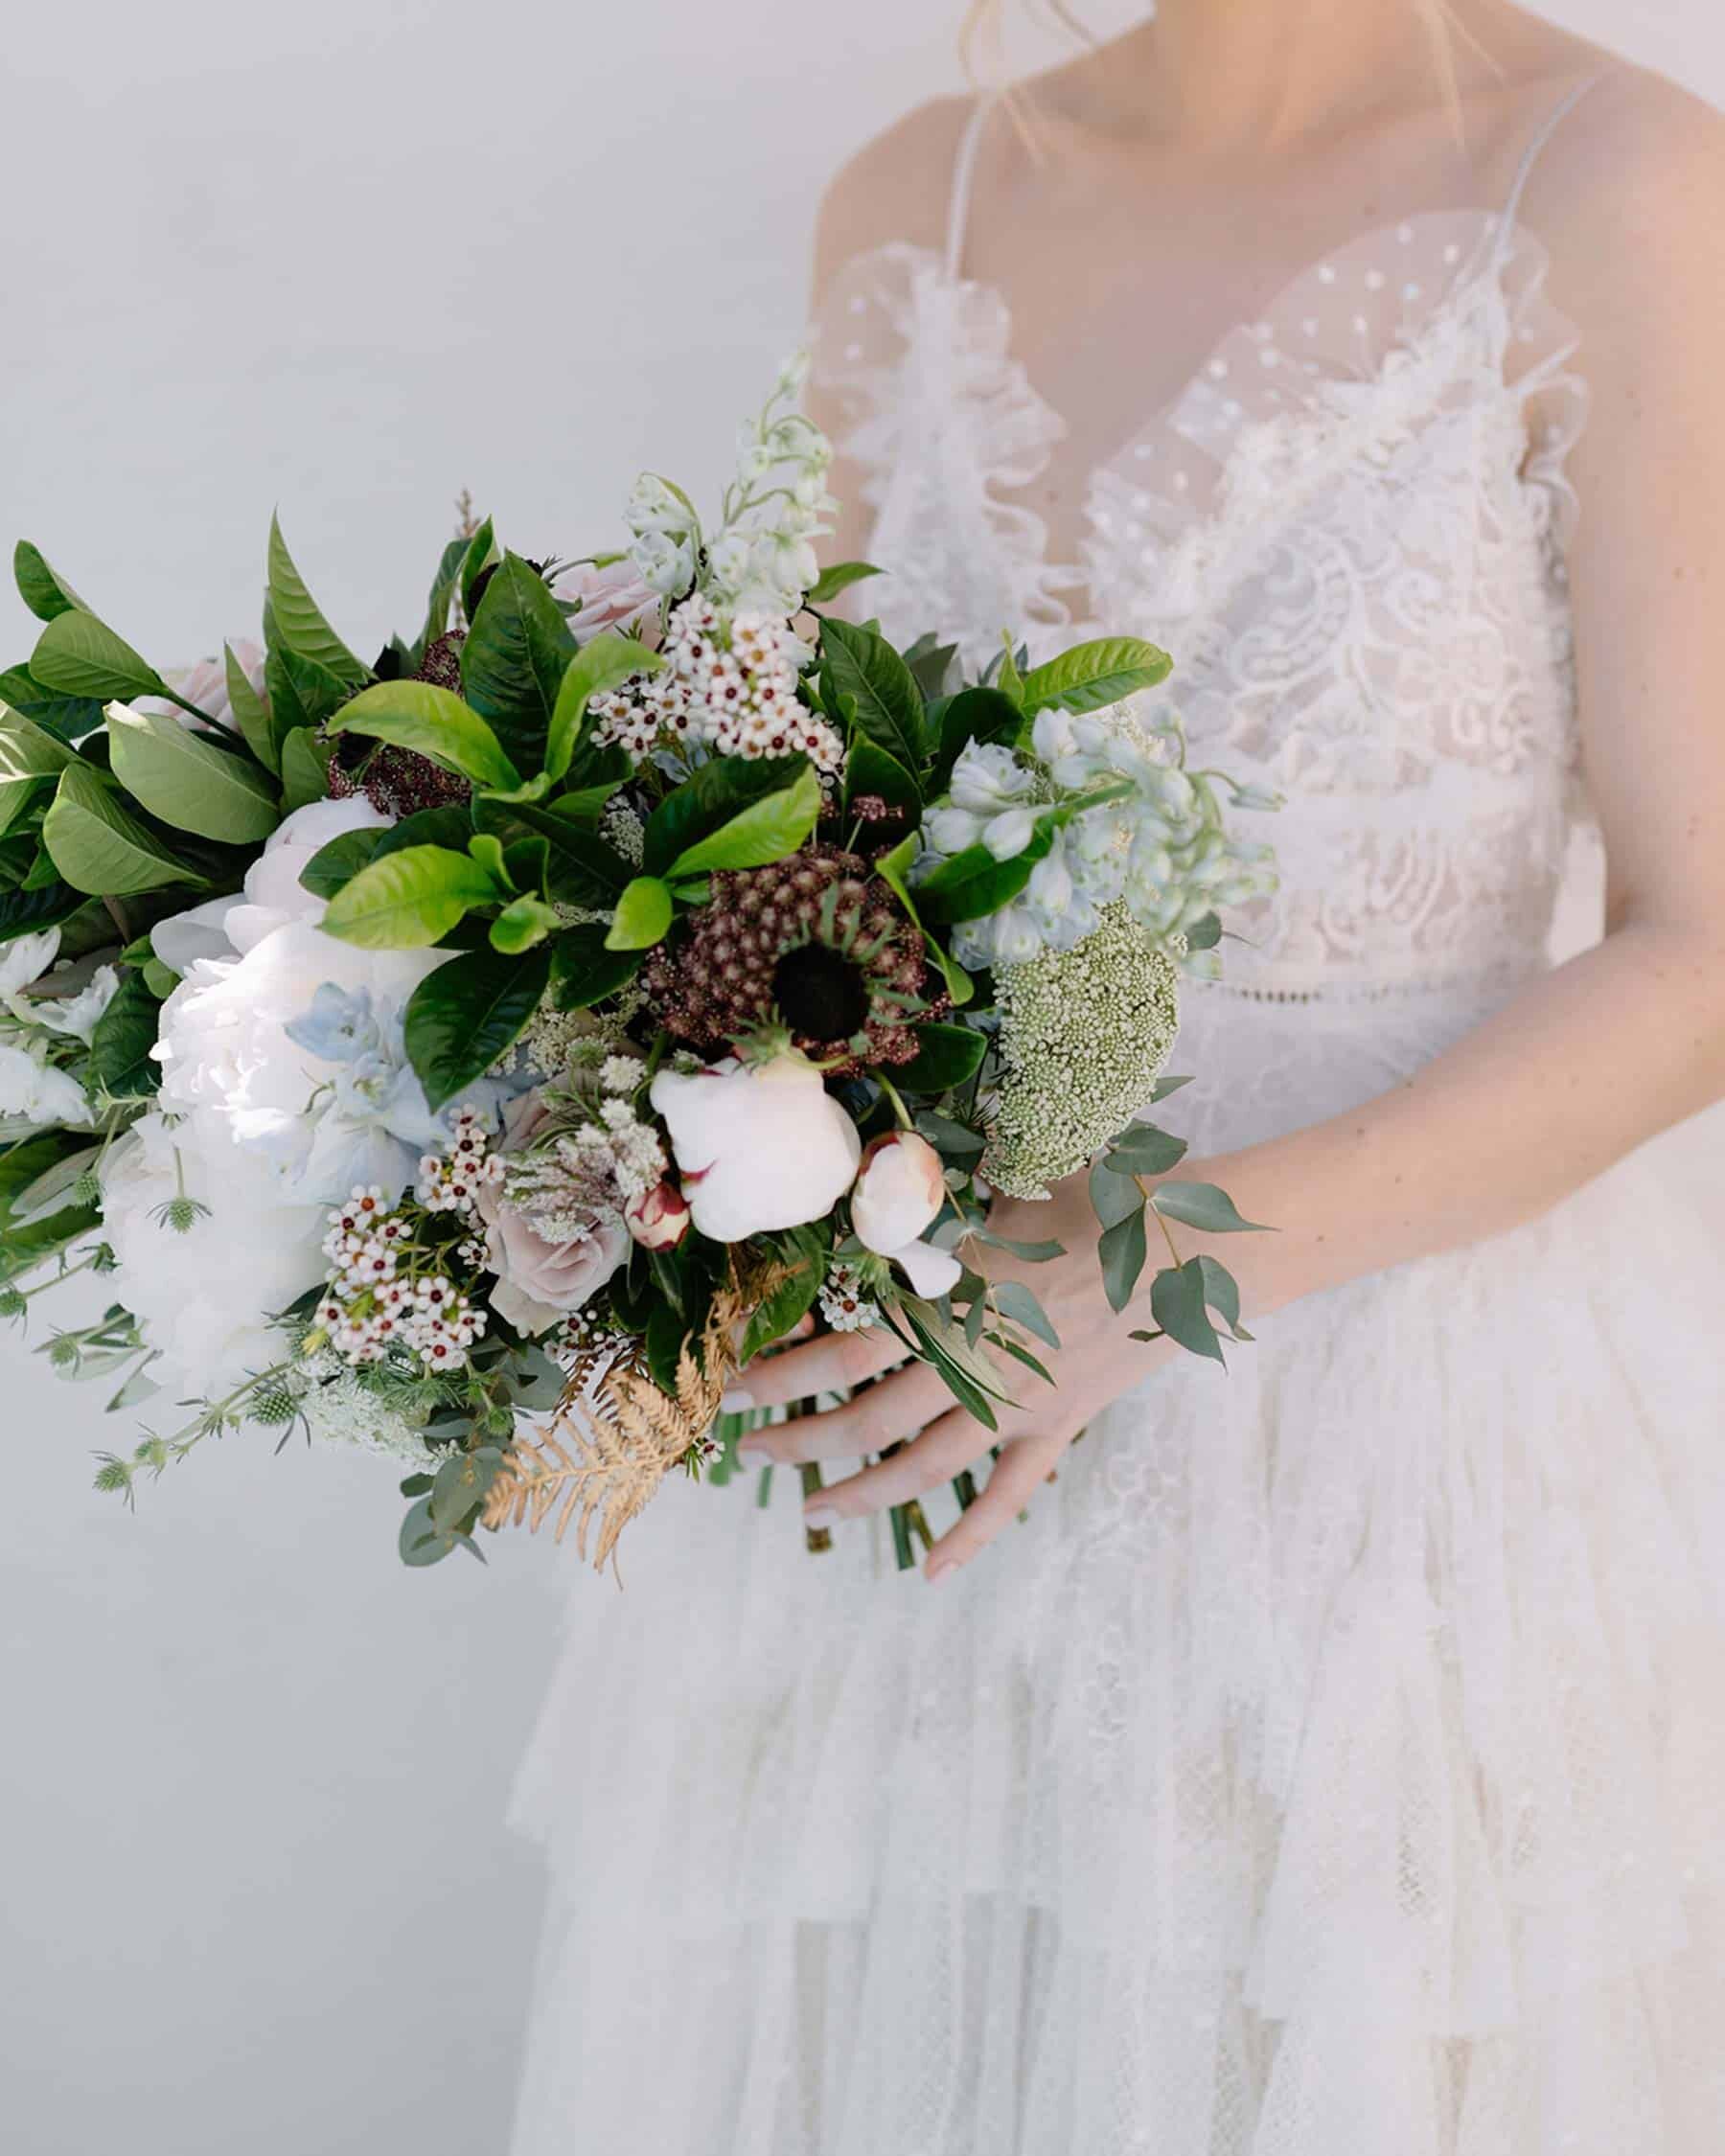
x=1333 y=1763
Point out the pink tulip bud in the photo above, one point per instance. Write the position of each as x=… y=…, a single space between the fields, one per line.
x=659 y=1219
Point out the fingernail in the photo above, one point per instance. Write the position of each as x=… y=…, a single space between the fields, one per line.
x=735 y=1401
x=819 y=1516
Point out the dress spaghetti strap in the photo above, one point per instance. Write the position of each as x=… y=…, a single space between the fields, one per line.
x=1554 y=120
x=964 y=169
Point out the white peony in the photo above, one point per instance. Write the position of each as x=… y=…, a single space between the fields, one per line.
x=273 y=894
x=759 y=1145
x=206 y=685
x=297 y=1047
x=24 y=960
x=204 y=1298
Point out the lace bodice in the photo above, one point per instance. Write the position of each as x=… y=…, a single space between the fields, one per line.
x=1348 y=529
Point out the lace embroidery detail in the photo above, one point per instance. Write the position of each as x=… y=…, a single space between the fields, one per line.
x=1348 y=528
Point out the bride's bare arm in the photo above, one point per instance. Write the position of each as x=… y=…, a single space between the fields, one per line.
x=1593 y=1058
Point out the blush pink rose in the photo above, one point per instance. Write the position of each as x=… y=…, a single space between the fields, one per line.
x=615 y=597
x=539 y=1282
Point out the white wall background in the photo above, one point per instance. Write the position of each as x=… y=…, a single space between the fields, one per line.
x=349 y=256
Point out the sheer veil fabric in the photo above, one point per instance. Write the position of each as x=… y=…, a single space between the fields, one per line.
x=1334 y=1763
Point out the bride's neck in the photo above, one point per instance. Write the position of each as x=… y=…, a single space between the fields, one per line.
x=1271 y=70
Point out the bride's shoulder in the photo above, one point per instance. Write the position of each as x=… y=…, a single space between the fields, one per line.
x=895 y=187
x=1628 y=191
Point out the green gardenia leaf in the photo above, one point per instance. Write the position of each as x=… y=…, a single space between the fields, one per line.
x=481 y=553
x=1008 y=680
x=830 y=582
x=859 y=663
x=1093 y=676
x=585 y=970
x=523 y=922
x=188 y=783
x=444 y=587
x=433 y=722
x=710 y=797
x=30 y=762
x=580 y=868
x=42 y=591
x=1202 y=1206
x=893 y=869
x=81 y=656
x=463 y=1016
x=946 y=1056
x=766 y=831
x=972 y=715
x=99 y=846
x=973 y=883
x=513 y=661
x=125 y=1034
x=805 y=1256
x=1123 y=1251
x=304 y=771
x=333 y=866
x=251 y=715
x=296 y=619
x=1176 y=1305
x=38 y=905
x=408 y=900
x=642 y=917
x=598 y=666
x=868 y=769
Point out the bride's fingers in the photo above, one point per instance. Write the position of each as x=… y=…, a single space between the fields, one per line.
x=827 y=1365
x=1011 y=1483
x=898 y=1407
x=945 y=1449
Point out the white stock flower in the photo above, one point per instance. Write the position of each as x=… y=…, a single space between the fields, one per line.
x=204 y=1296
x=759 y=1145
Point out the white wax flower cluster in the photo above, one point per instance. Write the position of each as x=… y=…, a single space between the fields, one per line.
x=728 y=686
x=385 y=1293
x=1160 y=849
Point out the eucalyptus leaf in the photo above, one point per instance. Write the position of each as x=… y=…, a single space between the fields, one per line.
x=1122 y=1250
x=1202 y=1206
x=1015 y=1300
x=1176 y=1304
x=469 y=1012
x=189 y=783
x=1142 y=1150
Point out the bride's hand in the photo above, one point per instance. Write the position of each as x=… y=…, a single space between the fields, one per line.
x=1096 y=1362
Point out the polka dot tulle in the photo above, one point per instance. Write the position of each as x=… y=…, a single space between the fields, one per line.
x=1334 y=1763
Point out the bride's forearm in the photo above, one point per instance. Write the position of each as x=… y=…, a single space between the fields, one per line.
x=1579 y=1069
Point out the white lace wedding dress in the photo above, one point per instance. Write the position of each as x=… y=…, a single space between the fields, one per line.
x=1334 y=1765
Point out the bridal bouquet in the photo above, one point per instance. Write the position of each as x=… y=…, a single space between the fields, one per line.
x=478 y=1054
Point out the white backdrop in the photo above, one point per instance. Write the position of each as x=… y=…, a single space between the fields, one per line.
x=349 y=256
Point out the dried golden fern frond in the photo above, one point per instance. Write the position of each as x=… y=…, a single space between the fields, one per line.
x=611 y=1442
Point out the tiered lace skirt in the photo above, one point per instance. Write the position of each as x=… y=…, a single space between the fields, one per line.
x=1333 y=1765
